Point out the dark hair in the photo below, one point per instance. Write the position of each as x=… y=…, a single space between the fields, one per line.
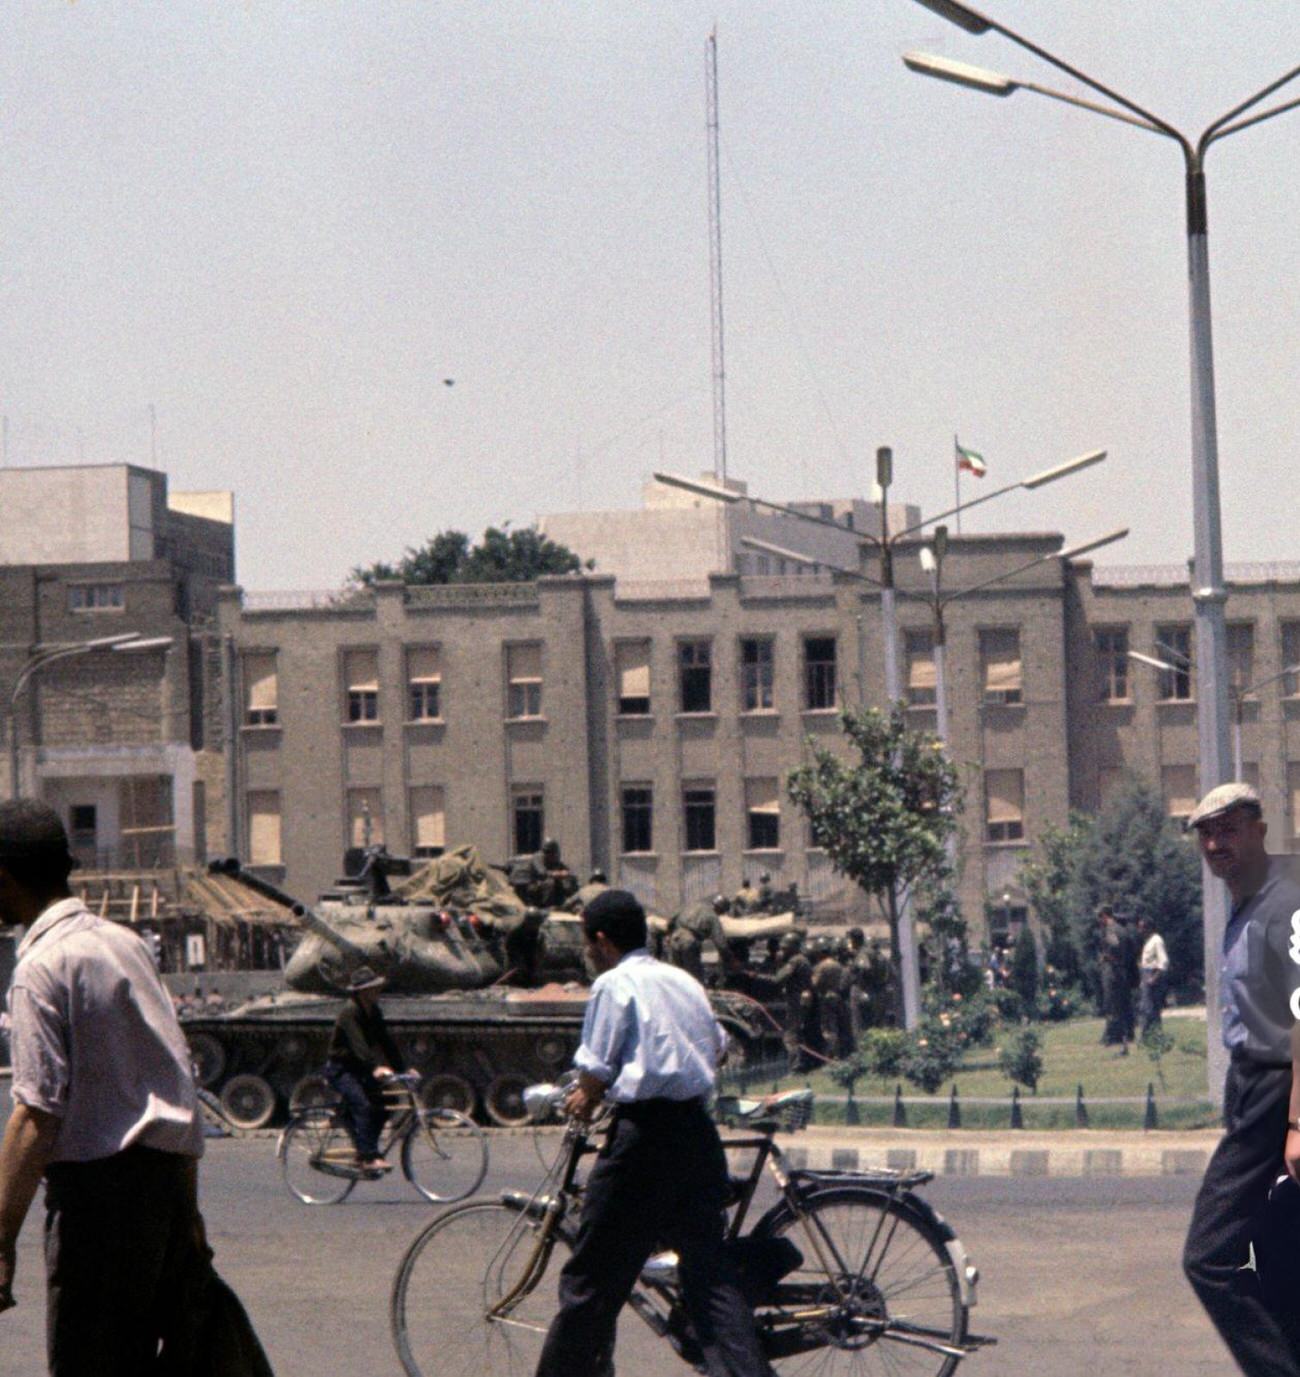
x=619 y=916
x=34 y=845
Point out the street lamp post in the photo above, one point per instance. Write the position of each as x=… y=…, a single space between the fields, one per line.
x=1209 y=593
x=885 y=543
x=48 y=655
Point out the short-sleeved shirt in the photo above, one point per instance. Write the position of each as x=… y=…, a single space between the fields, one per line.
x=1259 y=972
x=94 y=1040
x=649 y=1033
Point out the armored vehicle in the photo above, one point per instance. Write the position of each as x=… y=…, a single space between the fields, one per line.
x=474 y=994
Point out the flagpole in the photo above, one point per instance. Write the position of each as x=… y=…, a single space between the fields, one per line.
x=956 y=477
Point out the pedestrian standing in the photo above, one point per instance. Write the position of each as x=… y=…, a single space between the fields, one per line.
x=1153 y=975
x=1255 y=987
x=650 y=1046
x=105 y=1109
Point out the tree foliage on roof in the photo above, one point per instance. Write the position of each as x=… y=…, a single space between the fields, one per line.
x=499 y=557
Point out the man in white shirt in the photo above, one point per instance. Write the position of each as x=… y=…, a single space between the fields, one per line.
x=651 y=1045
x=1153 y=973
x=104 y=1108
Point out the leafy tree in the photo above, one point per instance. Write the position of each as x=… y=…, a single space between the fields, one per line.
x=1131 y=856
x=1021 y=1060
x=1046 y=877
x=500 y=557
x=883 y=818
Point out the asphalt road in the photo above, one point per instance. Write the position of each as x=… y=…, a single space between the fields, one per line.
x=1078 y=1275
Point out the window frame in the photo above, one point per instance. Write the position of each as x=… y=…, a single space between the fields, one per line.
x=691 y=832
x=1112 y=664
x=633 y=814
x=818 y=684
x=692 y=645
x=757 y=674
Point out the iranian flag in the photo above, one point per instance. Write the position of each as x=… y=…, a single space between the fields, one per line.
x=970 y=461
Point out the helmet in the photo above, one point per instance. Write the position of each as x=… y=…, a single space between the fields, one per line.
x=721 y=904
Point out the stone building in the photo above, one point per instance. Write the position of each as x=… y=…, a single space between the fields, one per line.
x=113 y=738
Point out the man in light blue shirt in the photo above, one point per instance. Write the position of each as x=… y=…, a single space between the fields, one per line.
x=651 y=1045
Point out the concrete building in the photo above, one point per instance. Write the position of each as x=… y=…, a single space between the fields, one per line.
x=115 y=739
x=681 y=538
x=650 y=727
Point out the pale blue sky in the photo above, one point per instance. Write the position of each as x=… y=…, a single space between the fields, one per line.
x=285 y=223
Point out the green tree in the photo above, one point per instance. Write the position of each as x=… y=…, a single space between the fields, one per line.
x=1047 y=877
x=500 y=557
x=1131 y=856
x=1024 y=967
x=883 y=819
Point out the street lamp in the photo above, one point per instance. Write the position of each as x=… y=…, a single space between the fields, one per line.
x=884 y=543
x=1209 y=593
x=51 y=654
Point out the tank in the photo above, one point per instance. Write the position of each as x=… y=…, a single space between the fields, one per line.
x=449 y=938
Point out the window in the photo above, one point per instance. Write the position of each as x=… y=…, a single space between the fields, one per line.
x=1000 y=658
x=423 y=684
x=699 y=809
x=82 y=826
x=260 y=691
x=361 y=671
x=524 y=676
x=695 y=676
x=762 y=814
x=1004 y=794
x=1111 y=646
x=264 y=828
x=756 y=676
x=638 y=818
x=428 y=821
x=632 y=666
x=1290 y=656
x=1178 y=784
x=819 y=672
x=922 y=681
x=1241 y=656
x=365 y=817
x=1174 y=646
x=529 y=818
x=96 y=597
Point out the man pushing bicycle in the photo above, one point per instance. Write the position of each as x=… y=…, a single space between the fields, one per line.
x=650 y=1047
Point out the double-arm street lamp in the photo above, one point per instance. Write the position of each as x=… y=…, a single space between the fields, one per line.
x=1209 y=593
x=884 y=545
x=46 y=655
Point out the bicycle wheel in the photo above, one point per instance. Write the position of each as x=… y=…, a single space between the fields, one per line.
x=307 y=1139
x=903 y=1295
x=455 y=1270
x=444 y=1155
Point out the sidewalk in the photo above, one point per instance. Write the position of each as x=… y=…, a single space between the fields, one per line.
x=958 y=1152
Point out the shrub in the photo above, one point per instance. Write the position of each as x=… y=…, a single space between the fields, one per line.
x=1021 y=1060
x=1010 y=1007
x=881 y=1050
x=932 y=1053
x=1056 y=1003
x=1024 y=967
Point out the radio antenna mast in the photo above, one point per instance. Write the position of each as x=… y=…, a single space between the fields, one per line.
x=715 y=263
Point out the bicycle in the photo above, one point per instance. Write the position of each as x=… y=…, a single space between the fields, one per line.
x=854 y=1264
x=444 y=1153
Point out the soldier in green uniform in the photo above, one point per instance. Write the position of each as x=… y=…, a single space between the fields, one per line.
x=830 y=986
x=793 y=981
x=690 y=930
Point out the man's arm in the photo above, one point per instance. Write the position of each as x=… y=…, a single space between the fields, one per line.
x=27 y=1147
x=1291 y=1150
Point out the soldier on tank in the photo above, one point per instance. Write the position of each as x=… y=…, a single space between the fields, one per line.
x=746 y=900
x=597 y=883
x=544 y=881
x=830 y=984
x=765 y=893
x=690 y=930
x=525 y=948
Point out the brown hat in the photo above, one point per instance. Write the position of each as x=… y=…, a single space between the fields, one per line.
x=363 y=978
x=1222 y=800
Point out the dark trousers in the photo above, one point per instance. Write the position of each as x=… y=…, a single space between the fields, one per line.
x=118 y=1234
x=1245 y=1165
x=363 y=1105
x=659 y=1181
x=1151 y=1001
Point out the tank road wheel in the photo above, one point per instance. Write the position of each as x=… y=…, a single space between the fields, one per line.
x=446 y=1090
x=248 y=1101
x=312 y=1092
x=552 y=1051
x=209 y=1058
x=504 y=1099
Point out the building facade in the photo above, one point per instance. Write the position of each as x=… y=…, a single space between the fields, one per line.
x=115 y=739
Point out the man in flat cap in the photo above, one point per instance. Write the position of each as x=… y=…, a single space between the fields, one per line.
x=104 y=1108
x=1258 y=975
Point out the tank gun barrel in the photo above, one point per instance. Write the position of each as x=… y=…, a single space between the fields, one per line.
x=312 y=921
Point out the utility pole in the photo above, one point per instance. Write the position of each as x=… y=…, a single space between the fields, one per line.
x=715 y=262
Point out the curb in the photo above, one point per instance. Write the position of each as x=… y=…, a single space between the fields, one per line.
x=950 y=1155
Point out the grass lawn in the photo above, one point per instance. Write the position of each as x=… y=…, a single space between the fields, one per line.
x=1072 y=1056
